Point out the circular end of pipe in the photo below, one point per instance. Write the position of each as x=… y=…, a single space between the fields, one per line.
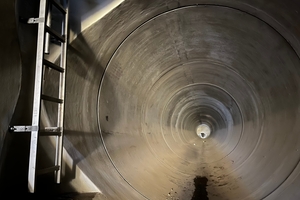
x=203 y=131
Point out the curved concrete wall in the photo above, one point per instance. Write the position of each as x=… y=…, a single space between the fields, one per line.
x=146 y=75
x=142 y=79
x=10 y=70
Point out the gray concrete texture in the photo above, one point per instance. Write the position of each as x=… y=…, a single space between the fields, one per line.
x=141 y=80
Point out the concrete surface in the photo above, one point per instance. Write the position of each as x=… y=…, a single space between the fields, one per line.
x=232 y=64
x=10 y=70
x=142 y=79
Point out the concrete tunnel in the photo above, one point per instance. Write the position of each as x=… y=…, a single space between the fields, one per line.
x=165 y=99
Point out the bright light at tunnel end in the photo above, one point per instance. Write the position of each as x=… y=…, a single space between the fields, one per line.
x=203 y=131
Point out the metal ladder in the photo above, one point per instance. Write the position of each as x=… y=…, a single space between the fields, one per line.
x=43 y=39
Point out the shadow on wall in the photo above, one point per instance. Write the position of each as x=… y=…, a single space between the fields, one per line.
x=10 y=85
x=82 y=137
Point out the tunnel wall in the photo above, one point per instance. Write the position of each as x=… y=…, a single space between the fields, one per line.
x=10 y=70
x=88 y=57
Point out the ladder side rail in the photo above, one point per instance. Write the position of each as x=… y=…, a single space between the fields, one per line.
x=62 y=82
x=37 y=97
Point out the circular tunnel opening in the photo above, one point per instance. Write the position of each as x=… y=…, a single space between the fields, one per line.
x=203 y=131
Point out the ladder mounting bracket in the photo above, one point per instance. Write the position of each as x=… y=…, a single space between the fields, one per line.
x=23 y=128
x=35 y=20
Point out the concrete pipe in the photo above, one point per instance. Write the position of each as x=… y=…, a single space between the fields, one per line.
x=149 y=77
x=188 y=100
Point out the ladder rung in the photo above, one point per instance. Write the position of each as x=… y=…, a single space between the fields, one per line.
x=55 y=34
x=51 y=131
x=47 y=170
x=48 y=98
x=53 y=66
x=58 y=6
